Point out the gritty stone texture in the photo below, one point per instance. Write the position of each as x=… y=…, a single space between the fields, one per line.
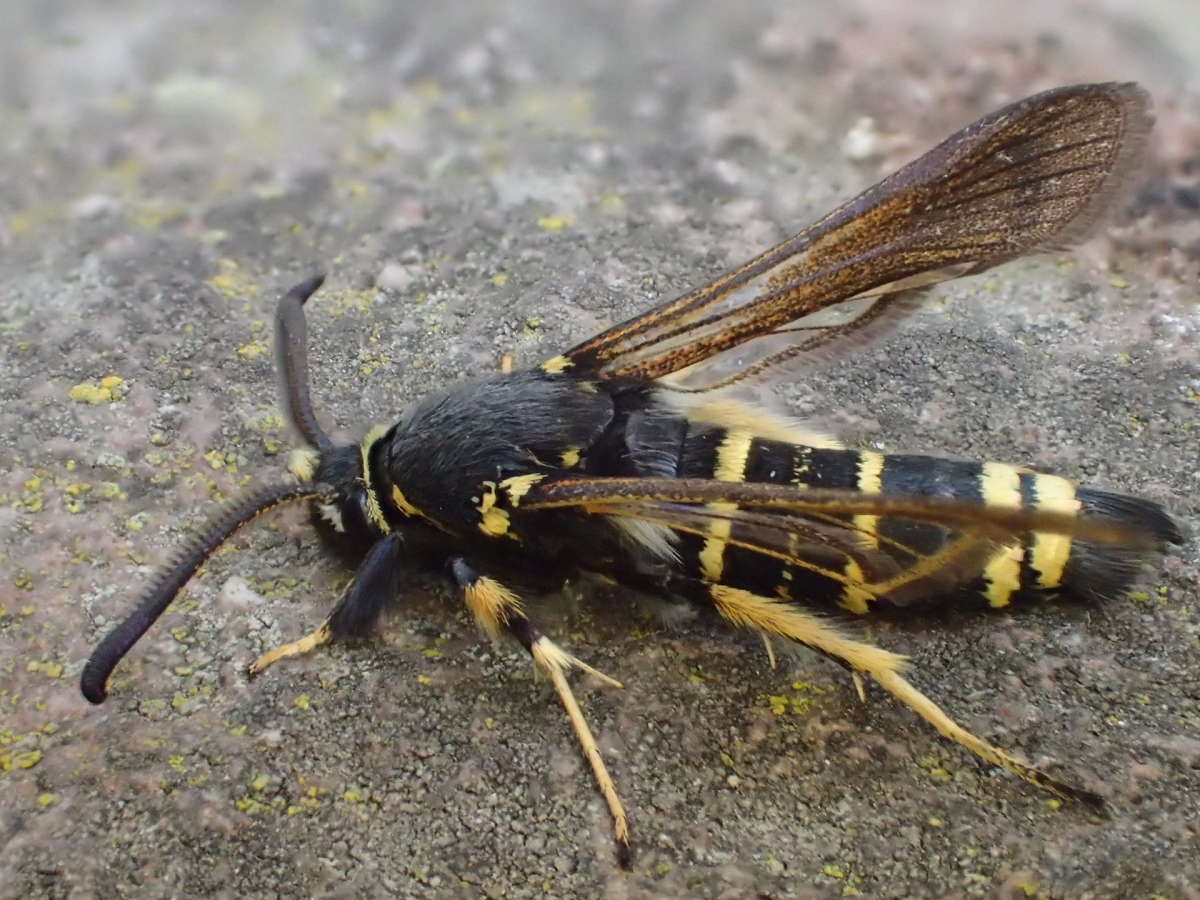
x=506 y=178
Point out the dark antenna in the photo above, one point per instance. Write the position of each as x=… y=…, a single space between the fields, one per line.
x=291 y=351
x=94 y=680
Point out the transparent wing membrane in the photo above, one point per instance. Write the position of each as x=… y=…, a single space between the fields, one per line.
x=1035 y=175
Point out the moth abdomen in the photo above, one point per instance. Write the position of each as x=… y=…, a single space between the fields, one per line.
x=906 y=562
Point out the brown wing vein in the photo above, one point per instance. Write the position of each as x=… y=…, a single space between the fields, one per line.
x=1031 y=176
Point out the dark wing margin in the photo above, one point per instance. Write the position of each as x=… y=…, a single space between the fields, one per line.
x=1036 y=175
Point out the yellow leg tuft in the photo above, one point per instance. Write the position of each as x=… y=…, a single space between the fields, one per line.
x=778 y=617
x=306 y=644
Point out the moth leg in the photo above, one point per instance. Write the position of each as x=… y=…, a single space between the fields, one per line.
x=311 y=641
x=358 y=609
x=860 y=685
x=770 y=648
x=768 y=614
x=498 y=610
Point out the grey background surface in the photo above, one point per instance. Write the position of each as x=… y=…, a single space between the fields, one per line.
x=491 y=178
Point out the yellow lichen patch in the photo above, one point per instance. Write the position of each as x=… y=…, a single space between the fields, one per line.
x=302 y=701
x=153 y=214
x=555 y=107
x=252 y=350
x=19 y=223
x=218 y=459
x=26 y=760
x=798 y=704
x=500 y=279
x=251 y=805
x=106 y=390
x=47 y=799
x=611 y=203
x=49 y=669
x=382 y=121
x=371 y=363
x=556 y=222
x=233 y=282
x=110 y=490
x=934 y=768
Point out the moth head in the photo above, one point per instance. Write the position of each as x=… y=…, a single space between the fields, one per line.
x=351 y=508
x=350 y=513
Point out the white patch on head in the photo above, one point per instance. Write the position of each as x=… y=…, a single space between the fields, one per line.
x=331 y=514
x=658 y=539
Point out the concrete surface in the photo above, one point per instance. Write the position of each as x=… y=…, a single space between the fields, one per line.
x=506 y=178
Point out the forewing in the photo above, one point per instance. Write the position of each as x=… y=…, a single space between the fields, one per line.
x=1035 y=175
x=835 y=548
x=816 y=529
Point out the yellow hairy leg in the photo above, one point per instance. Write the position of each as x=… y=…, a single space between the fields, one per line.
x=498 y=609
x=774 y=616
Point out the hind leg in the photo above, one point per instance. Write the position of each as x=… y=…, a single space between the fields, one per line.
x=774 y=616
x=498 y=610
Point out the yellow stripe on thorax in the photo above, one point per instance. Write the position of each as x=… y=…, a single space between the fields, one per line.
x=556 y=365
x=1000 y=486
x=1051 y=551
x=732 y=455
x=374 y=510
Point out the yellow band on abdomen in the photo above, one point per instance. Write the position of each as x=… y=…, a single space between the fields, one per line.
x=1051 y=551
x=732 y=455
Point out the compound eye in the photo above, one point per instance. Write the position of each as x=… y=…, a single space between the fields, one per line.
x=364 y=509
